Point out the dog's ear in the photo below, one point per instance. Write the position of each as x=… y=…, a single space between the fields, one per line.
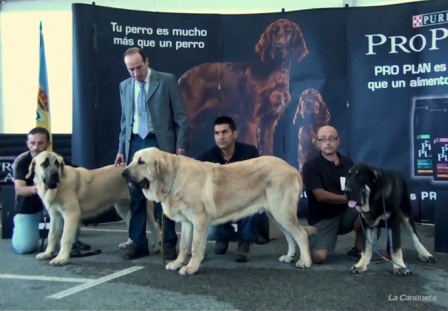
x=299 y=48
x=377 y=177
x=61 y=165
x=324 y=114
x=31 y=168
x=299 y=111
x=302 y=106
x=263 y=47
x=156 y=165
x=161 y=162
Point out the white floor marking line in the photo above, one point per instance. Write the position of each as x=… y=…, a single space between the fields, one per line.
x=104 y=230
x=95 y=282
x=111 y=230
x=43 y=278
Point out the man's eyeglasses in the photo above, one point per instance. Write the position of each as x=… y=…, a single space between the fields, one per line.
x=329 y=139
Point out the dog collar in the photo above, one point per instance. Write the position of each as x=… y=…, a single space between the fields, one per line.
x=176 y=169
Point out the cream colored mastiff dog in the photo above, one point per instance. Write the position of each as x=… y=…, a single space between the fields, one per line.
x=201 y=193
x=70 y=194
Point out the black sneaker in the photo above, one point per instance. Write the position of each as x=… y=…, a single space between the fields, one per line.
x=242 y=252
x=80 y=246
x=170 y=253
x=260 y=239
x=135 y=253
x=354 y=254
x=221 y=247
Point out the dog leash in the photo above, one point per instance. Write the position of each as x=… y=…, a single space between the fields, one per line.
x=388 y=238
x=44 y=231
x=176 y=169
x=383 y=258
x=163 y=239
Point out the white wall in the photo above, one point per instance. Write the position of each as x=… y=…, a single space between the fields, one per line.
x=19 y=47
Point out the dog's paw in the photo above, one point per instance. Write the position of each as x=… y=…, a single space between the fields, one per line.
x=188 y=270
x=59 y=261
x=174 y=265
x=286 y=258
x=303 y=264
x=402 y=272
x=43 y=256
x=430 y=259
x=358 y=270
x=125 y=245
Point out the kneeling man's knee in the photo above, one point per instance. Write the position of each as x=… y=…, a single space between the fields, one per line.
x=320 y=256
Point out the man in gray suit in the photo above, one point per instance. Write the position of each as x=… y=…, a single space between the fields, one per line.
x=152 y=115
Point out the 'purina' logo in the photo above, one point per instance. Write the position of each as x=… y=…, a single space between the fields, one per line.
x=429 y=19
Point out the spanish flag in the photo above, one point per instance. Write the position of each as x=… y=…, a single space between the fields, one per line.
x=43 y=103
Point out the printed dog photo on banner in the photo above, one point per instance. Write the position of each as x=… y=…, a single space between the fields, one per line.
x=254 y=94
x=314 y=114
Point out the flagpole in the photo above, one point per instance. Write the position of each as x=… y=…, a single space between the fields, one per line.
x=43 y=101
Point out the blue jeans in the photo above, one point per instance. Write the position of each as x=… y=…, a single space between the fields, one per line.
x=25 y=236
x=137 y=225
x=224 y=232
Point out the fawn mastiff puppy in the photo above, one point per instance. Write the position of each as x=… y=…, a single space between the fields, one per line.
x=70 y=194
x=199 y=194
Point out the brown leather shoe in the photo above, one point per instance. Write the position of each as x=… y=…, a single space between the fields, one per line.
x=242 y=252
x=221 y=247
x=136 y=252
x=170 y=253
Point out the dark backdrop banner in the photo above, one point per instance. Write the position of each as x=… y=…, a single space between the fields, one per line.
x=173 y=42
x=398 y=86
x=280 y=76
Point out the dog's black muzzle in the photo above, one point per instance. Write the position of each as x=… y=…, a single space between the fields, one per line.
x=143 y=183
x=52 y=179
x=353 y=198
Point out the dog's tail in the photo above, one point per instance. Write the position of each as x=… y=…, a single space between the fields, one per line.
x=310 y=230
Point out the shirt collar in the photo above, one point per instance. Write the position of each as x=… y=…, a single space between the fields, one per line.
x=321 y=158
x=234 y=155
x=148 y=74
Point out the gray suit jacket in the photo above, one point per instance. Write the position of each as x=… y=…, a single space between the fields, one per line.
x=167 y=113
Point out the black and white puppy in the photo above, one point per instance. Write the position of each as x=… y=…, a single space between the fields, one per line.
x=383 y=200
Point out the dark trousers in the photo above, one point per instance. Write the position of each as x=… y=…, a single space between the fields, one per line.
x=224 y=232
x=137 y=225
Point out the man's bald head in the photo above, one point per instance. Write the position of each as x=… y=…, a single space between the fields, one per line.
x=327 y=131
x=328 y=138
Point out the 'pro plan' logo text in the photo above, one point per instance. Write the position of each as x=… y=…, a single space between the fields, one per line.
x=428 y=19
